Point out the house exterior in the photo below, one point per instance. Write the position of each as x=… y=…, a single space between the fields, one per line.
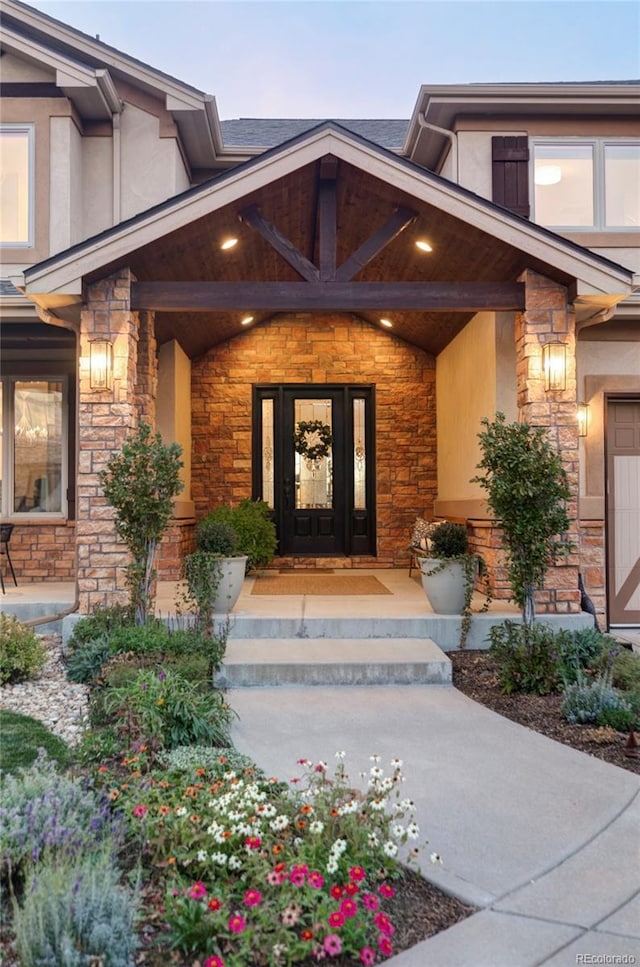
x=384 y=283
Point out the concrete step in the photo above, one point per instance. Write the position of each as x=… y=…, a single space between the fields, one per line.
x=332 y=661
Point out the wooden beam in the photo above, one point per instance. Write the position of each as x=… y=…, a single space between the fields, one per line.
x=327 y=229
x=401 y=218
x=306 y=269
x=337 y=296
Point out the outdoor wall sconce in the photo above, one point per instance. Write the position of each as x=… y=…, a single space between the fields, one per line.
x=100 y=364
x=583 y=419
x=554 y=366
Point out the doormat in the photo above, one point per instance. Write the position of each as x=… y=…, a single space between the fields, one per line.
x=312 y=583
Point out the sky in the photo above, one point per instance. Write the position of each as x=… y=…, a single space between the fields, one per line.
x=357 y=58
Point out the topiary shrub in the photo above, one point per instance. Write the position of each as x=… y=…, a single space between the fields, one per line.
x=22 y=653
x=449 y=539
x=215 y=536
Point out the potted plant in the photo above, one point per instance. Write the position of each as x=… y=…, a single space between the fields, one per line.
x=215 y=571
x=254 y=529
x=450 y=571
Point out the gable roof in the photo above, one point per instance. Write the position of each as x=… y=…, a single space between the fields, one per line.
x=268 y=132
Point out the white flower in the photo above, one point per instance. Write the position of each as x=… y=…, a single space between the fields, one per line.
x=316 y=826
x=373 y=839
x=279 y=823
x=379 y=804
x=266 y=811
x=413 y=830
x=390 y=848
x=340 y=755
x=338 y=847
x=297 y=841
x=235 y=863
x=435 y=858
x=376 y=772
x=219 y=858
x=374 y=758
x=348 y=807
x=181 y=811
x=332 y=865
x=397 y=831
x=408 y=805
x=396 y=763
x=202 y=856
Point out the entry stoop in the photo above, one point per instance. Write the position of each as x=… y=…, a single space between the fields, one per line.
x=333 y=661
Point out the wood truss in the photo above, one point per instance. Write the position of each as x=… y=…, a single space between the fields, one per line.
x=327 y=286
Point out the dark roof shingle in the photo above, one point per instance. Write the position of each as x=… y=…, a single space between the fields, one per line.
x=268 y=132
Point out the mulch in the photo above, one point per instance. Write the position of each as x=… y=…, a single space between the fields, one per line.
x=475 y=673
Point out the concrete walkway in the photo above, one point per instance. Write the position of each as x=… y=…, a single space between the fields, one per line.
x=544 y=839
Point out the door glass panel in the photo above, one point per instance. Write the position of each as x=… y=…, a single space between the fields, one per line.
x=38 y=447
x=267 y=452
x=313 y=422
x=359 y=457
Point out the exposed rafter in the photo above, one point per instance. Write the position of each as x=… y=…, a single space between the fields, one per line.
x=401 y=219
x=306 y=269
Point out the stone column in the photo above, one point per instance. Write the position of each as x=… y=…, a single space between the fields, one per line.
x=548 y=317
x=106 y=418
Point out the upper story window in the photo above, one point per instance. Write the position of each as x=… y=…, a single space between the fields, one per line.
x=16 y=185
x=587 y=184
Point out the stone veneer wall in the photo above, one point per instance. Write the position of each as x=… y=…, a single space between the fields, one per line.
x=547 y=318
x=106 y=419
x=592 y=564
x=327 y=348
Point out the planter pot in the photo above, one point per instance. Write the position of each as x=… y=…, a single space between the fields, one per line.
x=231 y=581
x=445 y=589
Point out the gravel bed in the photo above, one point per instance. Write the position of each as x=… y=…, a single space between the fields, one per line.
x=60 y=705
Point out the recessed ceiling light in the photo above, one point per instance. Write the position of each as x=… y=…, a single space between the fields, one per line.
x=228 y=244
x=387 y=323
x=246 y=321
x=548 y=175
x=423 y=246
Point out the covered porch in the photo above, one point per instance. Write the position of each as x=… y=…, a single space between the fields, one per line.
x=352 y=272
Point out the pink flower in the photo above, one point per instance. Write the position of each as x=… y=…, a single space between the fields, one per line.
x=336 y=891
x=367 y=956
x=253 y=898
x=275 y=877
x=198 y=890
x=217 y=962
x=332 y=944
x=297 y=876
x=384 y=945
x=139 y=811
x=383 y=923
x=356 y=873
x=316 y=880
x=253 y=842
x=213 y=905
x=370 y=901
x=351 y=889
x=237 y=923
x=386 y=890
x=348 y=908
x=336 y=919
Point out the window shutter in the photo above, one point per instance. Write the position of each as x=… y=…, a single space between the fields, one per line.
x=510 y=173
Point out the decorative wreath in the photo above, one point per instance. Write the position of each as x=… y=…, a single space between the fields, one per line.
x=312 y=439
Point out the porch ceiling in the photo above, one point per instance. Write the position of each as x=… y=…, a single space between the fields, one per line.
x=461 y=253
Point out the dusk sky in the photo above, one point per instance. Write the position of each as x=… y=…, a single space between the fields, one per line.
x=312 y=58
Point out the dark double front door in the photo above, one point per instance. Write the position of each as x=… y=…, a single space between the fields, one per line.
x=313 y=464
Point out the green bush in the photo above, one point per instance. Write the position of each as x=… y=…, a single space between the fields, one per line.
x=86 y=658
x=449 y=539
x=527 y=657
x=76 y=916
x=22 y=654
x=578 y=650
x=151 y=643
x=596 y=701
x=626 y=670
x=164 y=710
x=251 y=520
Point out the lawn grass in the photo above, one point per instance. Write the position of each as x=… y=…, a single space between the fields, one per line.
x=20 y=739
